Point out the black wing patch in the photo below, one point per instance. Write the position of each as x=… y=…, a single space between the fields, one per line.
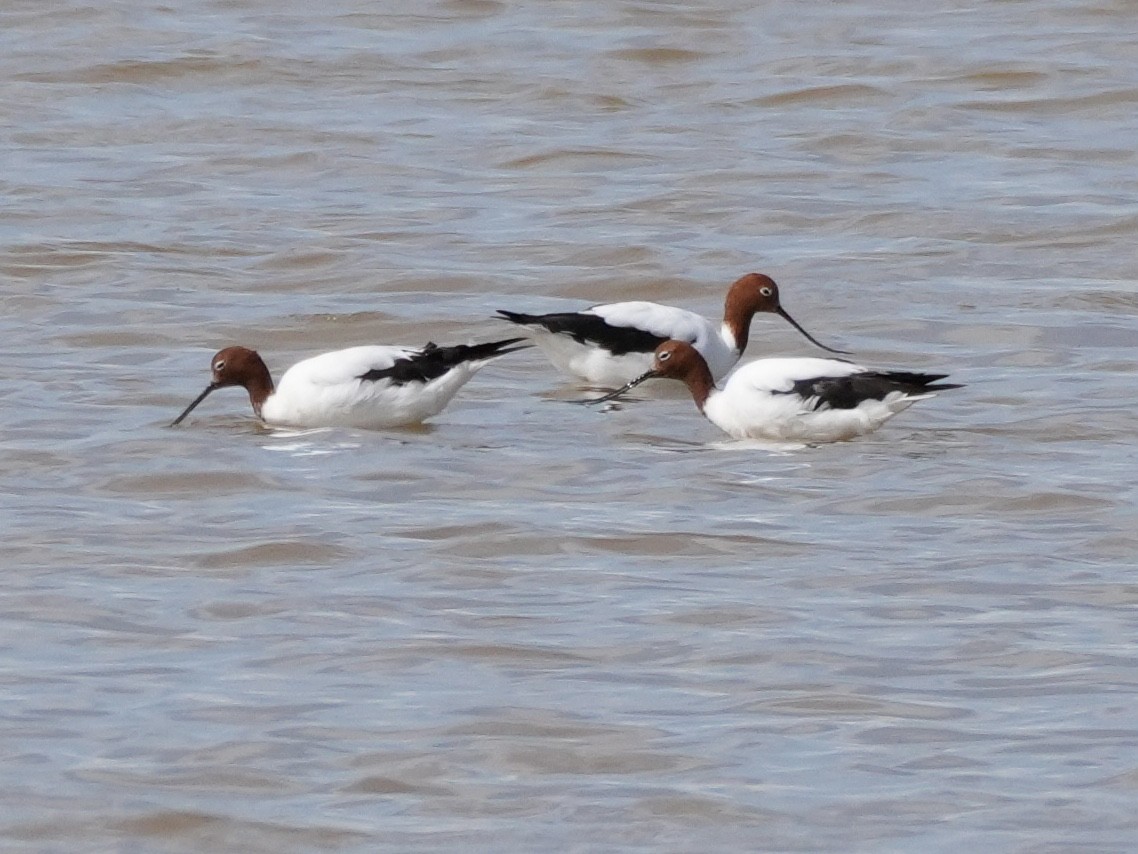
x=591 y=329
x=848 y=392
x=433 y=361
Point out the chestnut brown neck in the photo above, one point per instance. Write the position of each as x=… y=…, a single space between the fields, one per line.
x=700 y=382
x=260 y=386
x=738 y=324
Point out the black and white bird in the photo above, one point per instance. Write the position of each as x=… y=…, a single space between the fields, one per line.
x=612 y=344
x=792 y=400
x=370 y=387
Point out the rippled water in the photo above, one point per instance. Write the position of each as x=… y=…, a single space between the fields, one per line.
x=531 y=625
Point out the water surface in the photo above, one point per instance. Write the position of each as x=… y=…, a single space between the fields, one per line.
x=532 y=625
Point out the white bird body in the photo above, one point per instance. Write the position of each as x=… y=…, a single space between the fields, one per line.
x=794 y=400
x=612 y=344
x=370 y=387
x=327 y=391
x=759 y=401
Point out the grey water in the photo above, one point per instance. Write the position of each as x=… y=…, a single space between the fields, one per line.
x=530 y=625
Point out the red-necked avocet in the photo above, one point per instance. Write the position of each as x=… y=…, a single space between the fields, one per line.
x=369 y=387
x=792 y=400
x=612 y=344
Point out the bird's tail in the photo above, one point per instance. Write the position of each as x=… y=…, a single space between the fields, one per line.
x=916 y=383
x=519 y=318
x=459 y=353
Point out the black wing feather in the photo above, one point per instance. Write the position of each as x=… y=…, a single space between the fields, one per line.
x=591 y=329
x=849 y=392
x=433 y=361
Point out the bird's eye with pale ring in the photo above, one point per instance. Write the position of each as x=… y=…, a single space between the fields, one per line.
x=219 y=365
x=667 y=354
x=765 y=291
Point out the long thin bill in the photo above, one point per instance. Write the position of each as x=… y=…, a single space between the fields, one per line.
x=624 y=389
x=782 y=313
x=190 y=408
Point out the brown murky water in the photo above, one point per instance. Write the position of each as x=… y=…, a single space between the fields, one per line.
x=530 y=625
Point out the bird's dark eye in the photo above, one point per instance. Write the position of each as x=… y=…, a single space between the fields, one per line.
x=765 y=291
x=667 y=354
x=219 y=365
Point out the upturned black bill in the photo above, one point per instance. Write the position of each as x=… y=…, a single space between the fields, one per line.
x=783 y=314
x=624 y=389
x=190 y=408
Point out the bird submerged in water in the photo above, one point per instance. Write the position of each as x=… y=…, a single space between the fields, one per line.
x=369 y=387
x=792 y=400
